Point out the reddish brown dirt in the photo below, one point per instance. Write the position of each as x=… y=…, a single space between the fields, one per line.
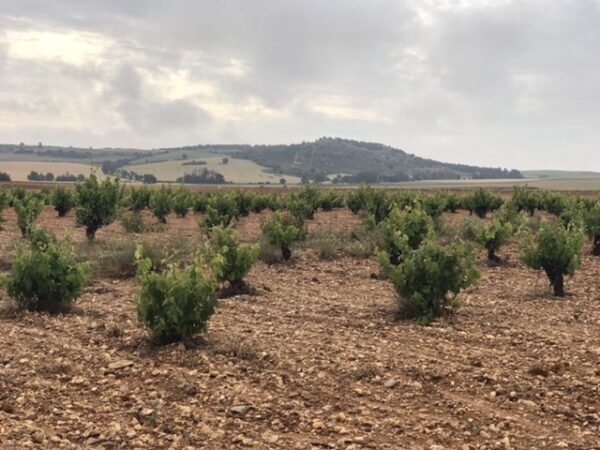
x=318 y=357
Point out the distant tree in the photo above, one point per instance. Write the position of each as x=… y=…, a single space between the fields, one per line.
x=203 y=176
x=282 y=181
x=67 y=177
x=225 y=160
x=35 y=176
x=4 y=176
x=149 y=179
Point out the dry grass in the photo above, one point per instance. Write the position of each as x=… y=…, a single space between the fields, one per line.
x=18 y=170
x=236 y=171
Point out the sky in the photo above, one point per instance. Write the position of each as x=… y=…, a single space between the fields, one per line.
x=498 y=83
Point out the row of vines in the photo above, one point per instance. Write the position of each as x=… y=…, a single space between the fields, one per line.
x=426 y=265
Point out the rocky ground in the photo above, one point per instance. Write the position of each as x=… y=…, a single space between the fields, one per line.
x=315 y=359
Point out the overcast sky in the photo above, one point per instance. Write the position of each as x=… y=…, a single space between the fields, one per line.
x=490 y=82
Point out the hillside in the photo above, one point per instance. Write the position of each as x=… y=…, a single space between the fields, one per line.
x=361 y=161
x=326 y=159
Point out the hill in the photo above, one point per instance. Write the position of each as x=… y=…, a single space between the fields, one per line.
x=326 y=159
x=355 y=161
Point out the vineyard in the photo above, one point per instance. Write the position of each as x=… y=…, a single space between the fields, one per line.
x=137 y=317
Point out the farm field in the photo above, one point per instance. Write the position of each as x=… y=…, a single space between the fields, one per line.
x=315 y=358
x=18 y=170
x=237 y=171
x=588 y=183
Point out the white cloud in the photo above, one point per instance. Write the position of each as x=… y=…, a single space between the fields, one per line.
x=70 y=47
x=495 y=82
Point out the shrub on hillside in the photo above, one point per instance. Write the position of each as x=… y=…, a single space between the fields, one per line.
x=161 y=203
x=220 y=211
x=28 y=210
x=230 y=261
x=97 y=204
x=176 y=304
x=243 y=202
x=453 y=202
x=329 y=200
x=281 y=232
x=3 y=203
x=427 y=277
x=573 y=215
x=199 y=202
x=407 y=198
x=378 y=205
x=356 y=200
x=45 y=276
x=375 y=202
x=492 y=236
x=556 y=249
x=17 y=193
x=403 y=231
x=132 y=221
x=434 y=205
x=63 y=200
x=592 y=227
x=261 y=202
x=300 y=209
x=526 y=200
x=139 y=198
x=481 y=202
x=555 y=202
x=181 y=202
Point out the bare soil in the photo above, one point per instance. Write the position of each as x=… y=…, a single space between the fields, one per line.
x=315 y=359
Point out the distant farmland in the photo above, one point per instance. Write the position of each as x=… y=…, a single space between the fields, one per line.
x=238 y=171
x=18 y=170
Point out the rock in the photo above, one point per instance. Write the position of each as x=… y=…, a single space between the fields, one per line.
x=270 y=437
x=484 y=434
x=78 y=380
x=120 y=364
x=7 y=408
x=512 y=395
x=318 y=424
x=38 y=436
x=528 y=403
x=506 y=443
x=206 y=430
x=391 y=383
x=240 y=410
x=146 y=412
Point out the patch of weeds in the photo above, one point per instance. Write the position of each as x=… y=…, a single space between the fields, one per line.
x=366 y=372
x=117 y=259
x=232 y=346
x=269 y=254
x=328 y=245
x=9 y=309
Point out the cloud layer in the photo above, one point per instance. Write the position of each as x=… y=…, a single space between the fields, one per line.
x=501 y=83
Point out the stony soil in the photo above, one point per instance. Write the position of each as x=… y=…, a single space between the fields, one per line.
x=315 y=359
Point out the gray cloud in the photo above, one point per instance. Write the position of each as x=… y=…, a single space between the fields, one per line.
x=503 y=83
